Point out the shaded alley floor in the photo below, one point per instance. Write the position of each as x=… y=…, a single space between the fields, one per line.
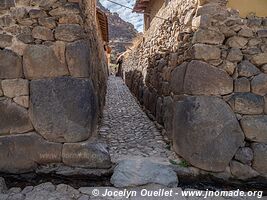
x=126 y=128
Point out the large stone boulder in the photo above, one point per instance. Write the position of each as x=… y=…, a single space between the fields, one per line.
x=255 y=128
x=13 y=118
x=140 y=171
x=196 y=78
x=27 y=150
x=203 y=79
x=260 y=158
x=64 y=109
x=206 y=132
x=88 y=154
x=10 y=65
x=40 y=61
x=78 y=55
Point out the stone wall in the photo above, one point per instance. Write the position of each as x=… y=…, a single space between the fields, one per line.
x=53 y=75
x=202 y=74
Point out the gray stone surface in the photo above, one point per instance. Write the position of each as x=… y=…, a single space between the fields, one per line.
x=40 y=61
x=137 y=172
x=242 y=85
x=64 y=109
x=247 y=69
x=247 y=103
x=27 y=151
x=78 y=59
x=260 y=158
x=13 y=118
x=241 y=171
x=259 y=84
x=255 y=128
x=199 y=76
x=88 y=154
x=206 y=36
x=69 y=32
x=10 y=65
x=206 y=133
x=206 y=52
x=244 y=155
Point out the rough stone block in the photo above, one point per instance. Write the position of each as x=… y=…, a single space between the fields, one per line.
x=241 y=171
x=71 y=19
x=78 y=56
x=13 y=118
x=69 y=32
x=22 y=101
x=27 y=150
x=206 y=52
x=40 y=61
x=259 y=84
x=237 y=42
x=64 y=109
x=235 y=55
x=259 y=59
x=244 y=155
x=227 y=66
x=48 y=22
x=15 y=87
x=199 y=76
x=247 y=69
x=247 y=103
x=255 y=128
x=206 y=36
x=37 y=13
x=206 y=132
x=246 y=32
x=262 y=33
x=88 y=154
x=42 y=33
x=242 y=85
x=5 y=40
x=260 y=158
x=10 y=65
x=177 y=78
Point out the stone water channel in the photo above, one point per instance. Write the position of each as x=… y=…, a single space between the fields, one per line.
x=142 y=159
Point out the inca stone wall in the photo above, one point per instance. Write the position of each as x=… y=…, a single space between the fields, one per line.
x=53 y=76
x=202 y=73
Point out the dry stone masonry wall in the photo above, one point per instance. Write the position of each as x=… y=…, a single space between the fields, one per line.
x=202 y=73
x=53 y=75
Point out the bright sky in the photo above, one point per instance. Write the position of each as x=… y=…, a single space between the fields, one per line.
x=125 y=14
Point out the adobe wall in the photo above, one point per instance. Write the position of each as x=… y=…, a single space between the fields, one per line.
x=202 y=73
x=53 y=75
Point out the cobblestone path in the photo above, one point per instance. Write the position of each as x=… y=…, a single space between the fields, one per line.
x=126 y=128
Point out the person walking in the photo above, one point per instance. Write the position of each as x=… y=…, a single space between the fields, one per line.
x=119 y=63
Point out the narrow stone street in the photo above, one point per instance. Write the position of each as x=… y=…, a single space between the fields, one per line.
x=126 y=128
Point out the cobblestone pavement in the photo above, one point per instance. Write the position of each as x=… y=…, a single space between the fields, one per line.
x=126 y=128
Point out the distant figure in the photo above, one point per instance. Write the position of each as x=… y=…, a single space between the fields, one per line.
x=119 y=63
